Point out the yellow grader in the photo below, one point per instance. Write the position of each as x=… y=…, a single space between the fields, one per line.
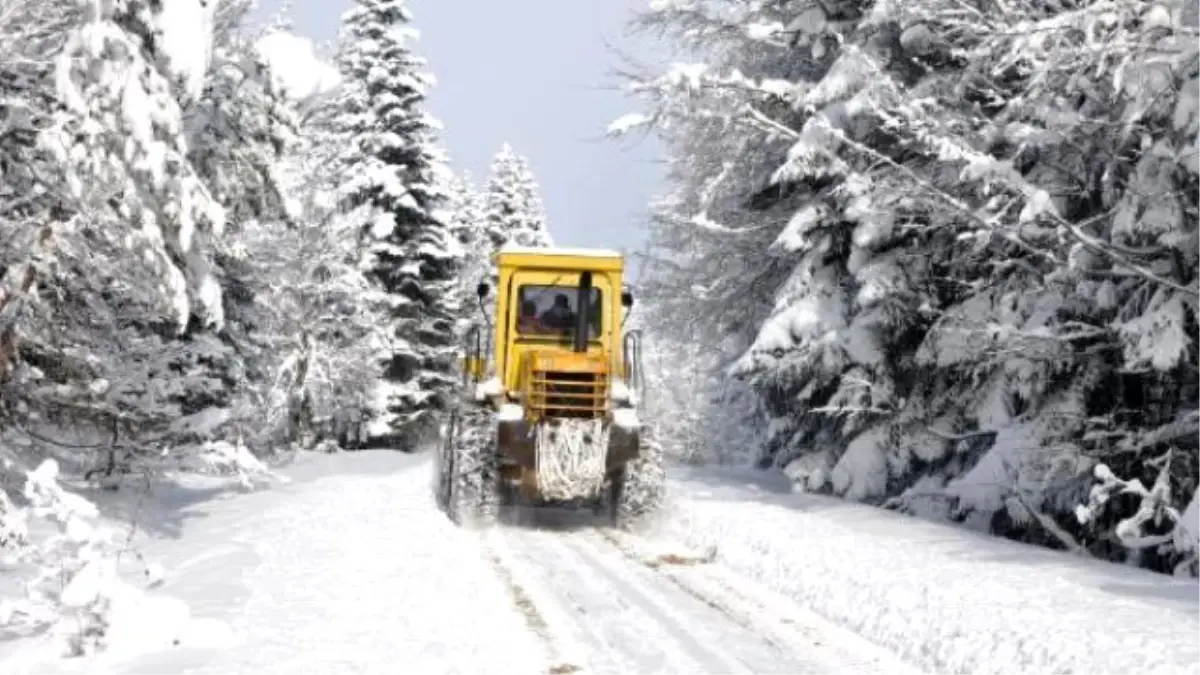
x=548 y=411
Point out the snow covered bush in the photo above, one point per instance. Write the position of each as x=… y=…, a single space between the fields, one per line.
x=463 y=211
x=61 y=571
x=693 y=417
x=319 y=335
x=234 y=459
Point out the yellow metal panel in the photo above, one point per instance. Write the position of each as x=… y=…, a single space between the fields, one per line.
x=547 y=389
x=568 y=361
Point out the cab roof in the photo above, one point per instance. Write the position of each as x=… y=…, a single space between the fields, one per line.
x=598 y=259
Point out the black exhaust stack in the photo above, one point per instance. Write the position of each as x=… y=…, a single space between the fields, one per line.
x=583 y=308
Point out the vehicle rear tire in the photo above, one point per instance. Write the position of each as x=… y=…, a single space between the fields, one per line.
x=640 y=489
x=474 y=494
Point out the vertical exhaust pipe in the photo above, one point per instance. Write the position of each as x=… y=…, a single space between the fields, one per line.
x=583 y=307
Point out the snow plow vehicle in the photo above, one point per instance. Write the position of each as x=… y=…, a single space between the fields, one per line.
x=547 y=413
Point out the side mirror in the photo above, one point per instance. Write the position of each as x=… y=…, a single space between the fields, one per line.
x=482 y=290
x=627 y=299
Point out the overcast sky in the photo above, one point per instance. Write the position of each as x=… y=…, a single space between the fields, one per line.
x=537 y=74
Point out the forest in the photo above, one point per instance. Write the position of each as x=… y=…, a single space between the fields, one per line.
x=939 y=256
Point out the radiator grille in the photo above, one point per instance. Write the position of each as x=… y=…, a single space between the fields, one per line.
x=559 y=394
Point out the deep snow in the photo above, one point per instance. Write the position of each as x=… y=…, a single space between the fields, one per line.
x=945 y=598
x=349 y=568
x=345 y=568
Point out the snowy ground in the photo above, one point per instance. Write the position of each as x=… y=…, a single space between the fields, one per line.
x=946 y=599
x=615 y=603
x=349 y=568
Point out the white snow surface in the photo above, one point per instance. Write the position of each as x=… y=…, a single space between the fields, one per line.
x=561 y=250
x=612 y=603
x=622 y=393
x=347 y=568
x=945 y=598
x=510 y=412
x=626 y=418
x=489 y=388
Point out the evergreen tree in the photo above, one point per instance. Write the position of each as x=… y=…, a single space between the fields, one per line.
x=514 y=214
x=935 y=245
x=465 y=213
x=393 y=182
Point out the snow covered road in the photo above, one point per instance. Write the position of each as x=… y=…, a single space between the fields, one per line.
x=351 y=568
x=610 y=602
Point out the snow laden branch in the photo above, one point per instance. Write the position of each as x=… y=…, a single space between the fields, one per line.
x=1038 y=204
x=1176 y=531
x=122 y=77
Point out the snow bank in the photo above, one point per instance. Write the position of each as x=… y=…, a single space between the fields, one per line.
x=109 y=607
x=944 y=598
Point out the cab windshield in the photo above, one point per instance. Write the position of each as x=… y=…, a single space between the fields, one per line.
x=552 y=311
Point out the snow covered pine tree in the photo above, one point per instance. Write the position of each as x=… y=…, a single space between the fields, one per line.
x=950 y=237
x=464 y=210
x=394 y=181
x=514 y=213
x=508 y=212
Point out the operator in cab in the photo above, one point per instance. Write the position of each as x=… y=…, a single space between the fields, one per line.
x=559 y=316
x=528 y=321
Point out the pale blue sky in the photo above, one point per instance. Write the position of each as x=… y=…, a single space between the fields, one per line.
x=539 y=75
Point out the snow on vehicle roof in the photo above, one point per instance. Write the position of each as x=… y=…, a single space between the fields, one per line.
x=556 y=250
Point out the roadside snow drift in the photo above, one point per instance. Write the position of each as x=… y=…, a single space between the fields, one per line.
x=347 y=568
x=946 y=599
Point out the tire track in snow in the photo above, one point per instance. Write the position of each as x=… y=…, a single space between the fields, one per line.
x=562 y=657
x=634 y=620
x=607 y=601
x=663 y=565
x=743 y=648
x=611 y=631
x=690 y=641
x=780 y=624
x=657 y=564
